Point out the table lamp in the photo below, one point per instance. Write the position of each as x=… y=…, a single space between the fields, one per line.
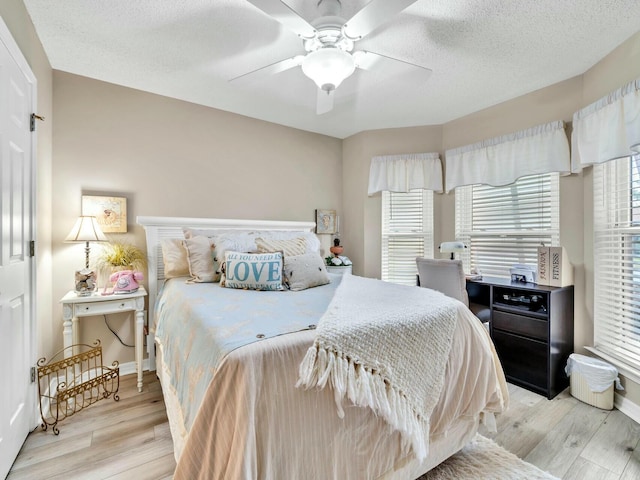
x=86 y=230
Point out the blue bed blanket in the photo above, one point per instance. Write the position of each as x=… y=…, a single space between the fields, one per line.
x=197 y=325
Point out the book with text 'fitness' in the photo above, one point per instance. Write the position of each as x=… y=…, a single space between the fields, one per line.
x=543 y=266
x=560 y=269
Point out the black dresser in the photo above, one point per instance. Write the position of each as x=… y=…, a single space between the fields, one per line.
x=532 y=328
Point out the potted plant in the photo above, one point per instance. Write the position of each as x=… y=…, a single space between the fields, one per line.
x=118 y=255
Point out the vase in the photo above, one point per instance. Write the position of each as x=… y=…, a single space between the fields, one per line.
x=85 y=282
x=337 y=250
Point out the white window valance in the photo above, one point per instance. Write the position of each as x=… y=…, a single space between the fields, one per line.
x=502 y=160
x=402 y=173
x=607 y=129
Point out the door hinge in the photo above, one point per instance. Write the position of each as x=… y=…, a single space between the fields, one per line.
x=35 y=117
x=33 y=374
x=32 y=248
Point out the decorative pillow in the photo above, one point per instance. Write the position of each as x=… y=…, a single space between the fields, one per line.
x=289 y=247
x=246 y=240
x=305 y=271
x=210 y=232
x=253 y=271
x=174 y=256
x=312 y=242
x=200 y=257
x=229 y=242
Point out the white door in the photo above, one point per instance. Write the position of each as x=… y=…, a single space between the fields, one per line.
x=17 y=405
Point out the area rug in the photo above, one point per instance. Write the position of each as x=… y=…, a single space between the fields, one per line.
x=484 y=459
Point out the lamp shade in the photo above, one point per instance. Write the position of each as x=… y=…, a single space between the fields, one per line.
x=86 y=229
x=328 y=67
x=452 y=247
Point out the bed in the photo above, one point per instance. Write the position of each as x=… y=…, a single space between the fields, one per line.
x=241 y=411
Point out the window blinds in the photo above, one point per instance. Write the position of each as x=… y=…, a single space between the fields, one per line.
x=617 y=259
x=503 y=226
x=407 y=233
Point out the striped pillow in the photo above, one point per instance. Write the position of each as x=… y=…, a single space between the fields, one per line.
x=290 y=247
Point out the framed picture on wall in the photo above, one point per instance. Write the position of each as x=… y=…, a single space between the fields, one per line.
x=111 y=212
x=326 y=221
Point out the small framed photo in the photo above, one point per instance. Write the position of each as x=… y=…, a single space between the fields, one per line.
x=326 y=221
x=111 y=212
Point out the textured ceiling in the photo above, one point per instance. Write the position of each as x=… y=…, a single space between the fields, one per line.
x=481 y=52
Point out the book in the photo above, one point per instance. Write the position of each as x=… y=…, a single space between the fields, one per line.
x=560 y=269
x=543 y=266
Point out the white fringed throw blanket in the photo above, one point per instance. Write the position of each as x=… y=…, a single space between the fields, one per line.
x=384 y=346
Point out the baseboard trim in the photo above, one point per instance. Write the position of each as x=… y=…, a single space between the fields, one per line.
x=626 y=406
x=130 y=367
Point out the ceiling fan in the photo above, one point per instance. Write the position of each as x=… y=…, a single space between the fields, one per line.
x=329 y=43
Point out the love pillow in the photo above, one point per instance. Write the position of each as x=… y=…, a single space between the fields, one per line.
x=253 y=271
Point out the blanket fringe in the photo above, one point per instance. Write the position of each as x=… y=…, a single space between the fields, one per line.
x=365 y=387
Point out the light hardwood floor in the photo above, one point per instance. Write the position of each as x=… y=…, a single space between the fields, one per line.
x=130 y=439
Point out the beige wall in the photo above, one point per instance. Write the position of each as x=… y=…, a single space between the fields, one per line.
x=556 y=102
x=16 y=18
x=173 y=158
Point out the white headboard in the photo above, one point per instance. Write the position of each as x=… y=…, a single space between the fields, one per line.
x=160 y=228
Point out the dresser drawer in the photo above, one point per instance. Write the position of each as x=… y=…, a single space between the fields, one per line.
x=101 y=308
x=526 y=301
x=520 y=324
x=523 y=360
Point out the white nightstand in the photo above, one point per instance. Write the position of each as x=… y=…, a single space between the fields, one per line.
x=339 y=270
x=74 y=307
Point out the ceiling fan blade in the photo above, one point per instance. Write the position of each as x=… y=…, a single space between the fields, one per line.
x=325 y=101
x=286 y=16
x=368 y=60
x=372 y=15
x=269 y=70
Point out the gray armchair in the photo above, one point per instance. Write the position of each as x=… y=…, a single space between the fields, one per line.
x=447 y=276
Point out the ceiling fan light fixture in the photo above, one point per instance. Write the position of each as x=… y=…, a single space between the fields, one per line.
x=328 y=67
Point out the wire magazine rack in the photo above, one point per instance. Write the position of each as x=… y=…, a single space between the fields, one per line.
x=73 y=383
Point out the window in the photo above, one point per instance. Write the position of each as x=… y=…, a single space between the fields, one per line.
x=503 y=226
x=407 y=233
x=616 y=225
